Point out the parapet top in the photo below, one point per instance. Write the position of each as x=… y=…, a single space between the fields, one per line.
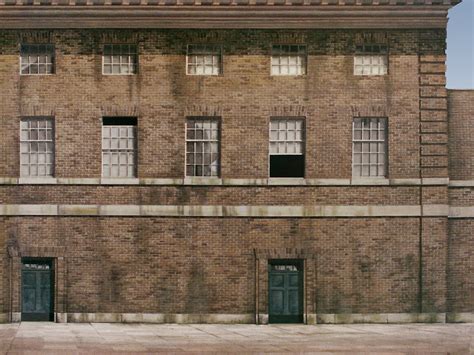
x=228 y=2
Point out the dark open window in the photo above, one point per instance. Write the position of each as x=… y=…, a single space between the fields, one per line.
x=287 y=147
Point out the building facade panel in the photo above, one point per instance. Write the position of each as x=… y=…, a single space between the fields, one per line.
x=207 y=265
x=213 y=195
x=195 y=170
x=161 y=96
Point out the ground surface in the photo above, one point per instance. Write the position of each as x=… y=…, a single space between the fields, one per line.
x=198 y=338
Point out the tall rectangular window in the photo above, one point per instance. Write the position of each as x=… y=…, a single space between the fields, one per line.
x=202 y=146
x=119 y=146
x=288 y=59
x=36 y=59
x=204 y=59
x=287 y=147
x=36 y=146
x=371 y=59
x=369 y=147
x=120 y=59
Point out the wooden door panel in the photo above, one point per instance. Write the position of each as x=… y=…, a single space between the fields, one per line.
x=285 y=293
x=37 y=302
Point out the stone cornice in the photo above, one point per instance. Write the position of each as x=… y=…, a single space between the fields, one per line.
x=227 y=16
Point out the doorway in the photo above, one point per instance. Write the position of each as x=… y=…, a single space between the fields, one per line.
x=37 y=289
x=285 y=291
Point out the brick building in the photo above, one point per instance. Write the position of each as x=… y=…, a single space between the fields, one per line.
x=233 y=161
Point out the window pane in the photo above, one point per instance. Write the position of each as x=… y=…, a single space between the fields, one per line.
x=369 y=147
x=36 y=59
x=120 y=59
x=204 y=60
x=202 y=147
x=118 y=147
x=288 y=60
x=371 y=60
x=286 y=147
x=36 y=146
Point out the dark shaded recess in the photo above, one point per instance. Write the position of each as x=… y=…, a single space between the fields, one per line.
x=287 y=166
x=117 y=121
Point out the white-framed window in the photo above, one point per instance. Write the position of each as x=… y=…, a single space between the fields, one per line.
x=204 y=59
x=288 y=59
x=36 y=59
x=287 y=136
x=119 y=146
x=371 y=59
x=202 y=146
x=36 y=146
x=120 y=59
x=369 y=147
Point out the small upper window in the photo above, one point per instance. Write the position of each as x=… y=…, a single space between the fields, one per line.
x=371 y=59
x=204 y=59
x=288 y=59
x=120 y=59
x=37 y=147
x=369 y=147
x=36 y=59
x=286 y=147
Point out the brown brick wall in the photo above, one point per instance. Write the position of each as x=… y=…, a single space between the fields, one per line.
x=208 y=265
x=461 y=196
x=245 y=96
x=4 y=267
x=217 y=195
x=460 y=281
x=461 y=131
x=461 y=167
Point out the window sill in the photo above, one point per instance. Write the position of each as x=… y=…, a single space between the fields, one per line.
x=287 y=181
x=370 y=181
x=202 y=181
x=119 y=181
x=130 y=74
x=37 y=181
x=37 y=74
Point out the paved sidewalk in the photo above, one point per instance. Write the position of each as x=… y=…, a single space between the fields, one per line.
x=86 y=338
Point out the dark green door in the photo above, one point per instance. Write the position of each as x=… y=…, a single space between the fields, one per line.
x=37 y=290
x=285 y=292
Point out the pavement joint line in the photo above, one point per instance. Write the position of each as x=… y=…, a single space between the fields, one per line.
x=17 y=327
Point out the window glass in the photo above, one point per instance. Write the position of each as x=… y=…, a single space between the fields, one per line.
x=204 y=59
x=202 y=147
x=286 y=147
x=288 y=59
x=119 y=147
x=36 y=59
x=36 y=146
x=369 y=147
x=119 y=59
x=371 y=60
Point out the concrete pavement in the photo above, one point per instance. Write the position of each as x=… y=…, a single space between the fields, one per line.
x=99 y=338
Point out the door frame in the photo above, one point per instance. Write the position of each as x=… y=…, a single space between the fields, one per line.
x=58 y=256
x=261 y=280
x=296 y=319
x=45 y=261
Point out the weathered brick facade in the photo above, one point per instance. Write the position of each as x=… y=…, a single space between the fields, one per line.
x=168 y=248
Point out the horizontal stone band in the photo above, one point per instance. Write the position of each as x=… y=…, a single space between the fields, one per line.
x=226 y=211
x=249 y=318
x=226 y=182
